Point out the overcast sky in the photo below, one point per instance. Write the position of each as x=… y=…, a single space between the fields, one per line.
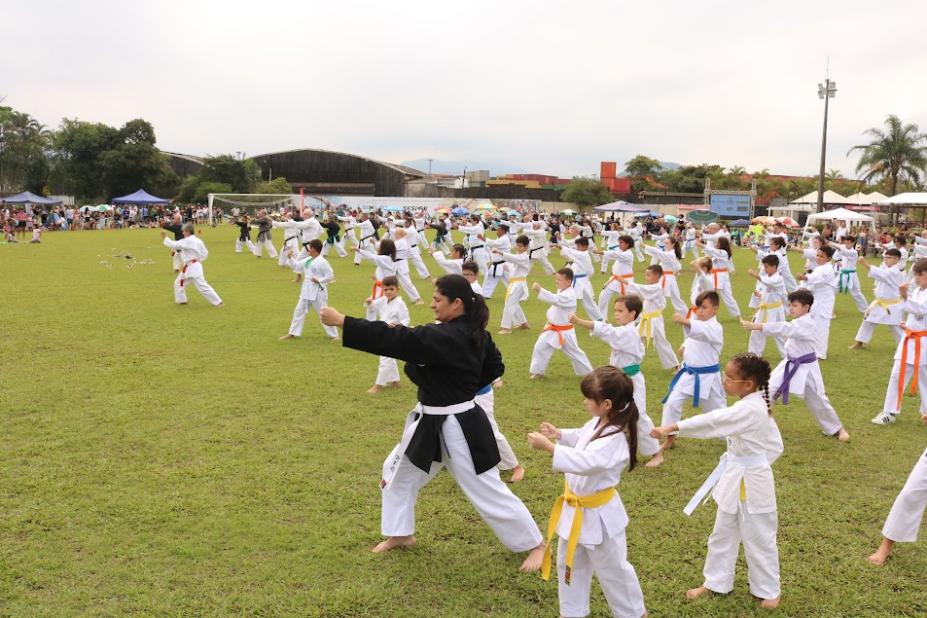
x=550 y=87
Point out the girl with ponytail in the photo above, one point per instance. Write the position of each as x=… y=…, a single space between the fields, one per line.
x=589 y=517
x=742 y=484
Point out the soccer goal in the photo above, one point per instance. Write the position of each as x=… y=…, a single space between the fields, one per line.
x=252 y=202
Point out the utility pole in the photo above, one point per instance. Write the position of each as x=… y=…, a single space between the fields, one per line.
x=826 y=91
x=429 y=166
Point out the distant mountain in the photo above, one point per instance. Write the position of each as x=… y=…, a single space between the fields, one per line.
x=457 y=167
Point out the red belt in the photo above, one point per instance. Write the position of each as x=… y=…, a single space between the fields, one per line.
x=184 y=271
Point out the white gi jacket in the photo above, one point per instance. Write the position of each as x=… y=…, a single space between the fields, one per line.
x=190 y=248
x=310 y=267
x=562 y=304
x=888 y=279
x=915 y=309
x=391 y=312
x=702 y=348
x=800 y=337
x=753 y=443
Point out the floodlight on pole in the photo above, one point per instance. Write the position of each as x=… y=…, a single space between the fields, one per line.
x=826 y=91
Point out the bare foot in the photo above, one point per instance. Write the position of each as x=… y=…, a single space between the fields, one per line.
x=882 y=554
x=219 y=306
x=376 y=388
x=499 y=384
x=518 y=473
x=843 y=435
x=770 y=603
x=419 y=302
x=655 y=461
x=395 y=384
x=524 y=326
x=533 y=562
x=695 y=593
x=856 y=345
x=504 y=331
x=668 y=444
x=536 y=376
x=287 y=336
x=335 y=338
x=924 y=418
x=393 y=542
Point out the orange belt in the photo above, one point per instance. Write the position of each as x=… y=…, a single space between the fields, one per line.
x=916 y=336
x=666 y=273
x=620 y=279
x=559 y=329
x=690 y=312
x=378 y=285
x=183 y=272
x=714 y=273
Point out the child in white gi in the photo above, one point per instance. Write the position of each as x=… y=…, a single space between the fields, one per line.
x=699 y=378
x=385 y=260
x=911 y=354
x=627 y=354
x=389 y=308
x=721 y=272
x=452 y=264
x=701 y=281
x=589 y=517
x=668 y=257
x=517 y=289
x=622 y=272
x=886 y=308
x=496 y=270
x=403 y=255
x=904 y=519
x=650 y=326
x=610 y=242
x=799 y=373
x=771 y=308
x=558 y=334
x=474 y=241
x=745 y=491
x=848 y=280
x=582 y=270
x=313 y=292
x=471 y=272
x=192 y=252
x=823 y=285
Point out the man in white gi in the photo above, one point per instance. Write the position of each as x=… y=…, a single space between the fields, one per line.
x=193 y=253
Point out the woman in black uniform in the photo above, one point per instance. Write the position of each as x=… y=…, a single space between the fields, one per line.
x=448 y=362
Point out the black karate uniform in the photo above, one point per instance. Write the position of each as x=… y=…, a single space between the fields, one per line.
x=245 y=233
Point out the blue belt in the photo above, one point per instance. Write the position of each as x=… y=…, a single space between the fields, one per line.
x=485 y=389
x=575 y=277
x=694 y=371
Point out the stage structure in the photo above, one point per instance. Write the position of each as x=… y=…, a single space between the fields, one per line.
x=731 y=204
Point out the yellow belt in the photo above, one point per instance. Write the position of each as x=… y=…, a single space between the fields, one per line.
x=645 y=329
x=764 y=309
x=511 y=285
x=881 y=302
x=600 y=498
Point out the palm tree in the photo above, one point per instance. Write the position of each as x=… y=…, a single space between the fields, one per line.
x=737 y=170
x=897 y=153
x=833 y=174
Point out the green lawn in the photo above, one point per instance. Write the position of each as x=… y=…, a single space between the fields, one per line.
x=164 y=460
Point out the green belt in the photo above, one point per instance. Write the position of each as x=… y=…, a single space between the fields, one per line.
x=631 y=370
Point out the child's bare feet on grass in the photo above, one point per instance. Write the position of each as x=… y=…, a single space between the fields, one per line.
x=504 y=331
x=882 y=554
x=770 y=603
x=394 y=542
x=518 y=473
x=843 y=435
x=533 y=562
x=395 y=384
x=695 y=593
x=373 y=390
x=655 y=461
x=287 y=336
x=668 y=444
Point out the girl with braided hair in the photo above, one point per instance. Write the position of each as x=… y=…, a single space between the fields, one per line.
x=742 y=485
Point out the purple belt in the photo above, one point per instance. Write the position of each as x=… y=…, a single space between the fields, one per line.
x=791 y=368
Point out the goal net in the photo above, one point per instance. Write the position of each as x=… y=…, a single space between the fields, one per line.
x=237 y=204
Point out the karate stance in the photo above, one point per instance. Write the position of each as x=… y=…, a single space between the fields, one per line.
x=317 y=274
x=193 y=253
x=558 y=334
x=392 y=310
x=904 y=520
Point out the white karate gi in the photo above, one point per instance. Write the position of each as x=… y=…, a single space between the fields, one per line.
x=368 y=238
x=487 y=401
x=392 y=312
x=295 y=233
x=475 y=244
x=496 y=270
x=193 y=252
x=590 y=466
x=658 y=243
x=622 y=275
x=915 y=310
x=609 y=243
x=701 y=282
x=416 y=242
x=562 y=304
x=701 y=348
x=350 y=225
x=822 y=282
x=650 y=322
x=886 y=308
x=537 y=247
x=904 y=520
x=771 y=308
x=450 y=266
x=637 y=233
x=517 y=289
x=807 y=383
x=385 y=267
x=627 y=351
x=722 y=268
x=582 y=270
x=312 y=294
x=671 y=267
x=745 y=494
x=689 y=243
x=402 y=270
x=847 y=278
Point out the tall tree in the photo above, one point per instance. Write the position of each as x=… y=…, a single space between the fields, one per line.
x=642 y=170
x=586 y=192
x=23 y=152
x=242 y=175
x=897 y=153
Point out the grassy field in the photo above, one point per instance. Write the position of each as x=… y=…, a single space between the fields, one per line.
x=165 y=460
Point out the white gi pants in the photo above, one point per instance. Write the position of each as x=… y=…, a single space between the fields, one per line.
x=176 y=261
x=505 y=514
x=904 y=520
x=757 y=531
x=419 y=264
x=491 y=280
x=608 y=561
x=646 y=445
x=584 y=291
x=661 y=343
x=338 y=245
x=299 y=315
x=367 y=244
x=637 y=249
x=758 y=339
x=853 y=288
x=864 y=334
x=540 y=256
x=543 y=350
x=671 y=291
x=790 y=283
x=727 y=299
x=405 y=281
x=387 y=371
x=180 y=291
x=512 y=313
x=823 y=335
x=248 y=243
x=817 y=402
x=892 y=405
x=508 y=459
x=708 y=400
x=260 y=245
x=288 y=245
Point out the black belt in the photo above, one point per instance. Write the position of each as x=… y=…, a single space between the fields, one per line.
x=476 y=247
x=531 y=251
x=363 y=238
x=496 y=265
x=286 y=240
x=425 y=444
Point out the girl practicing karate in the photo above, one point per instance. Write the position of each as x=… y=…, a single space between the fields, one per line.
x=622 y=271
x=385 y=260
x=589 y=517
x=668 y=257
x=650 y=327
x=886 y=307
x=721 y=272
x=392 y=310
x=745 y=490
x=516 y=292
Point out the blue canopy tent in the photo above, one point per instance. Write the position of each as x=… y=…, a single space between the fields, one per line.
x=139 y=198
x=27 y=197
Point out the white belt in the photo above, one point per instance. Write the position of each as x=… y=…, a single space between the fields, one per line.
x=456 y=408
x=703 y=492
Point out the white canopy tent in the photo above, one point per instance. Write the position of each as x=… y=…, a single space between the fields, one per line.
x=830 y=197
x=842 y=214
x=911 y=199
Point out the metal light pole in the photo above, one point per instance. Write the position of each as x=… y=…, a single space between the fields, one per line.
x=826 y=91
